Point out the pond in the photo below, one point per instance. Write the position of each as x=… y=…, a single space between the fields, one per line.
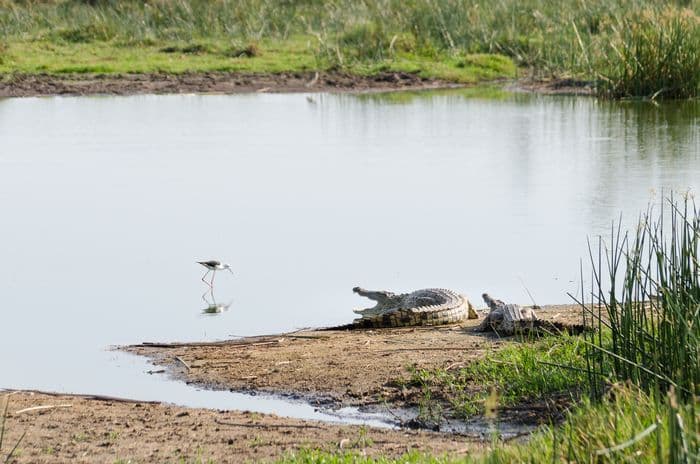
x=108 y=202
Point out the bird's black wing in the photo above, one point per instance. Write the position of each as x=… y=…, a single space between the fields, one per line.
x=211 y=263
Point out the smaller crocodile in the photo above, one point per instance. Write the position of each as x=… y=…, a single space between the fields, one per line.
x=509 y=319
x=431 y=306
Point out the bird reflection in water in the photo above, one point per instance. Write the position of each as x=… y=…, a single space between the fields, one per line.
x=213 y=307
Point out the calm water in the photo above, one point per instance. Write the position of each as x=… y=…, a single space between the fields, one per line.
x=107 y=203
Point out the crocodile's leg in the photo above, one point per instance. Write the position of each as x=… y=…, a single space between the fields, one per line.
x=471 y=312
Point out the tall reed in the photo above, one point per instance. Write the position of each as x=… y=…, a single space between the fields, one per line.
x=652 y=55
x=645 y=301
x=646 y=292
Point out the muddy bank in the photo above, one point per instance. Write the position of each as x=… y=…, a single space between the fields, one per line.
x=21 y=85
x=80 y=429
x=573 y=87
x=37 y=85
x=334 y=368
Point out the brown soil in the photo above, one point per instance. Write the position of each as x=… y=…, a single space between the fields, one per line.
x=22 y=85
x=555 y=86
x=336 y=367
x=79 y=429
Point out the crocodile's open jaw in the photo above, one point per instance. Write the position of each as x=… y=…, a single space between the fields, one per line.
x=369 y=311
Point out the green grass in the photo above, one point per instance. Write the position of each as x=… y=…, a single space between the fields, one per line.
x=627 y=426
x=631 y=48
x=32 y=57
x=517 y=372
x=100 y=57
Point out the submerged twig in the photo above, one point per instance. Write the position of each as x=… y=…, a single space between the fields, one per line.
x=182 y=361
x=115 y=399
x=43 y=408
x=269 y=426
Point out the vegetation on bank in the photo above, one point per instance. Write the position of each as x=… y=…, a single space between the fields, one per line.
x=646 y=294
x=628 y=47
x=629 y=426
x=543 y=368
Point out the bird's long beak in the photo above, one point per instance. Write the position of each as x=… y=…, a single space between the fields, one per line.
x=229 y=270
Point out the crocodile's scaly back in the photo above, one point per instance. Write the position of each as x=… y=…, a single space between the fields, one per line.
x=509 y=319
x=432 y=306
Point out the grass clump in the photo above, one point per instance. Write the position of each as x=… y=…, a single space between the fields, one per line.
x=518 y=372
x=84 y=34
x=365 y=42
x=628 y=426
x=190 y=49
x=250 y=50
x=653 y=55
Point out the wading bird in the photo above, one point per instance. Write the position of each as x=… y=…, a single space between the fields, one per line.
x=213 y=266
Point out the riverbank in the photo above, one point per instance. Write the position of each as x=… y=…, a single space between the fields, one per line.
x=45 y=85
x=66 y=428
x=646 y=49
x=30 y=85
x=370 y=369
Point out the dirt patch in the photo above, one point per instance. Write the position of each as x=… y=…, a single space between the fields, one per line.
x=23 y=85
x=80 y=429
x=334 y=368
x=555 y=86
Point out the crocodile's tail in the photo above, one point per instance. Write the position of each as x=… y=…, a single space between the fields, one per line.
x=362 y=323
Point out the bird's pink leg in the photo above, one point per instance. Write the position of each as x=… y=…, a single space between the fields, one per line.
x=212 y=278
x=205 y=276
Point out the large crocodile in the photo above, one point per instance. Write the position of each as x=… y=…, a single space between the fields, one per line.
x=431 y=306
x=509 y=319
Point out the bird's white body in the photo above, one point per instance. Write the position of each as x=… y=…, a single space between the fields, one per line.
x=213 y=266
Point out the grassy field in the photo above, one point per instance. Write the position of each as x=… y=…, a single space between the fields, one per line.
x=629 y=48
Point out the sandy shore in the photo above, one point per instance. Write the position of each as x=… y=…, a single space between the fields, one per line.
x=74 y=429
x=334 y=368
